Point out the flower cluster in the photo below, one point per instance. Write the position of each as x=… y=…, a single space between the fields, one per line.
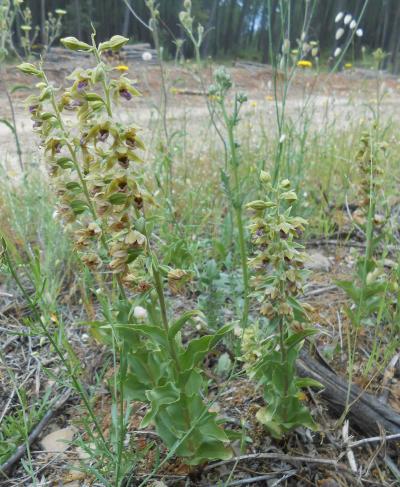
x=371 y=172
x=270 y=352
x=93 y=160
x=279 y=262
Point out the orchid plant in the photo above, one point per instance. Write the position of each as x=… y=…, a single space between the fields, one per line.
x=94 y=164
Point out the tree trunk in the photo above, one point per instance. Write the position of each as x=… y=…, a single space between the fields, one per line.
x=78 y=19
x=211 y=24
x=393 y=44
x=228 y=27
x=43 y=22
x=125 y=26
x=243 y=13
x=262 y=41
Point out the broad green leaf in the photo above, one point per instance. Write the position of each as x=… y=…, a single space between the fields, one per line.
x=181 y=321
x=198 y=348
x=159 y=396
x=297 y=338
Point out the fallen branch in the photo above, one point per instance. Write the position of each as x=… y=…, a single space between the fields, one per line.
x=367 y=413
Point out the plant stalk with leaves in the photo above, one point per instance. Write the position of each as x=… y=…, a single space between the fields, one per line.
x=93 y=163
x=270 y=352
x=231 y=180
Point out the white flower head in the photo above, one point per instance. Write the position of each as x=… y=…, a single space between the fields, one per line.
x=337 y=52
x=140 y=313
x=353 y=24
x=339 y=17
x=359 y=32
x=282 y=138
x=339 y=33
x=147 y=56
x=347 y=19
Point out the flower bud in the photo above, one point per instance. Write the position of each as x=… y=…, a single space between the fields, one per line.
x=74 y=44
x=265 y=177
x=289 y=196
x=115 y=43
x=260 y=205
x=29 y=68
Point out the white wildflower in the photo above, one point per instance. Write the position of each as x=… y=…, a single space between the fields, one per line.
x=359 y=32
x=337 y=52
x=147 y=56
x=139 y=313
x=339 y=33
x=347 y=19
x=282 y=138
x=339 y=17
x=353 y=24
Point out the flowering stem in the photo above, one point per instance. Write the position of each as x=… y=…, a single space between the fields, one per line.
x=81 y=178
x=103 y=81
x=237 y=204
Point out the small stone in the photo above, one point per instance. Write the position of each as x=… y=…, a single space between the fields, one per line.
x=58 y=441
x=318 y=262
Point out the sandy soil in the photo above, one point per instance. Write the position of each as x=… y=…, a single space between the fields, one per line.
x=342 y=98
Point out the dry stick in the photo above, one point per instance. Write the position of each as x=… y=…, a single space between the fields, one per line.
x=375 y=439
x=279 y=456
x=252 y=480
x=20 y=452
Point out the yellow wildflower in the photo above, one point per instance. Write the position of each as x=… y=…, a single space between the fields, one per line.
x=253 y=104
x=269 y=98
x=121 y=67
x=348 y=66
x=303 y=63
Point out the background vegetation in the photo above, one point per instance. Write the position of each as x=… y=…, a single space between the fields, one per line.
x=246 y=21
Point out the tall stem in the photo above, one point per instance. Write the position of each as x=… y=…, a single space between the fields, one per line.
x=163 y=309
x=237 y=204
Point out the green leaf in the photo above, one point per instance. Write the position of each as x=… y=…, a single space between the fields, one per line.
x=8 y=124
x=181 y=321
x=266 y=418
x=16 y=88
x=350 y=289
x=160 y=396
x=308 y=382
x=134 y=390
x=154 y=332
x=198 y=348
x=213 y=450
x=118 y=198
x=297 y=338
x=65 y=163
